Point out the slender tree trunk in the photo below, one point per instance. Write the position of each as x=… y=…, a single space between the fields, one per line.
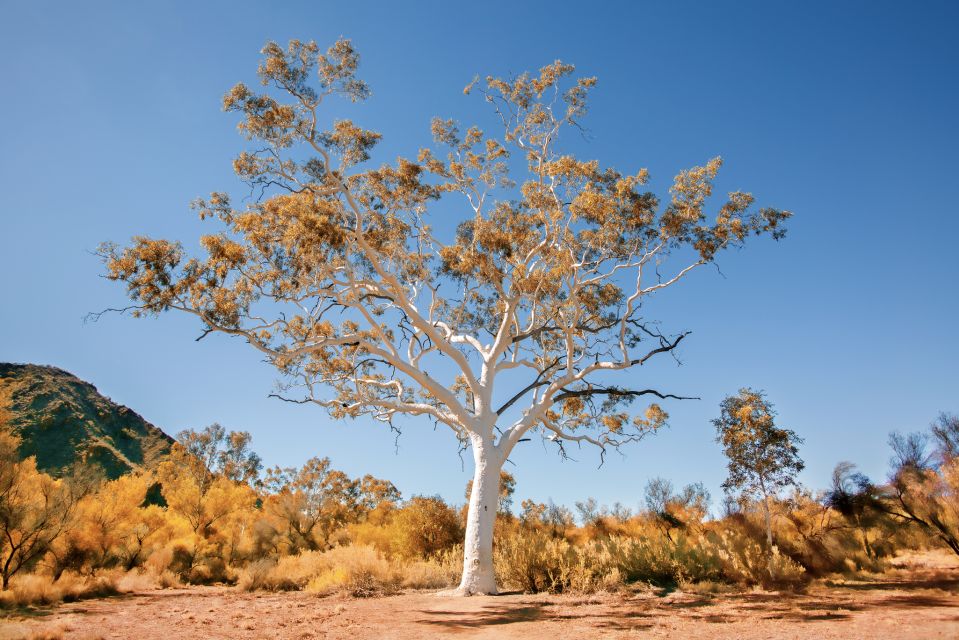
x=7 y=572
x=769 y=523
x=865 y=537
x=478 y=575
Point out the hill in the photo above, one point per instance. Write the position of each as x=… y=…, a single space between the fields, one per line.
x=63 y=420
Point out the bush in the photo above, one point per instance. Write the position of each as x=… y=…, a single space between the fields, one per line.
x=425 y=527
x=745 y=561
x=192 y=560
x=40 y=589
x=533 y=561
x=355 y=570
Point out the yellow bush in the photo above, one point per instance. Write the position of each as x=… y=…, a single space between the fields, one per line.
x=110 y=527
x=533 y=561
x=426 y=526
x=442 y=570
x=382 y=537
x=355 y=570
x=423 y=528
x=34 y=589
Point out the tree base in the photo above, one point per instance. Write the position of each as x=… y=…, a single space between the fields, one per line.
x=463 y=592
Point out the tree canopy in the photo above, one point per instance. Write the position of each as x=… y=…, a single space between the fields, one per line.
x=351 y=281
x=762 y=458
x=336 y=274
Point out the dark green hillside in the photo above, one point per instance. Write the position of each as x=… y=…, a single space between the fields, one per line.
x=63 y=420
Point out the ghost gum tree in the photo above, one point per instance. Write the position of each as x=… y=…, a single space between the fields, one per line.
x=513 y=323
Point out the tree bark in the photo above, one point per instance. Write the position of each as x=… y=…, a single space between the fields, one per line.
x=769 y=524
x=478 y=575
x=865 y=537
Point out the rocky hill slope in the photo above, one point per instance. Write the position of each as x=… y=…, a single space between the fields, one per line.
x=63 y=420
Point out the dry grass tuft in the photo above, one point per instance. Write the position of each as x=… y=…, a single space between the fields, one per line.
x=32 y=589
x=535 y=562
x=359 y=570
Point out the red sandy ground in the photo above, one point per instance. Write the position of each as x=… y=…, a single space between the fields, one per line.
x=913 y=604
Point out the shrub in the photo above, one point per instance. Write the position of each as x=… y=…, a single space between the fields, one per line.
x=533 y=561
x=356 y=570
x=745 y=561
x=443 y=570
x=425 y=527
x=40 y=589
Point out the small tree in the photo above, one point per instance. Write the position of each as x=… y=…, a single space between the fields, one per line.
x=425 y=527
x=35 y=509
x=309 y=503
x=228 y=454
x=763 y=459
x=516 y=321
x=206 y=478
x=680 y=510
x=858 y=500
x=924 y=484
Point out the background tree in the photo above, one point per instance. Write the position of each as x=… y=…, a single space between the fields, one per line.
x=228 y=454
x=309 y=503
x=945 y=432
x=762 y=458
x=924 y=484
x=515 y=322
x=556 y=519
x=854 y=496
x=207 y=476
x=374 y=493
x=671 y=510
x=35 y=509
x=589 y=510
x=110 y=526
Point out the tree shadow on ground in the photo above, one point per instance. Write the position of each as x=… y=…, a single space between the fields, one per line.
x=490 y=615
x=524 y=612
x=642 y=612
x=937 y=582
x=29 y=611
x=77 y=605
x=836 y=604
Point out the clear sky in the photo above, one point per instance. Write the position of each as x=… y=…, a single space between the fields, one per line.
x=842 y=112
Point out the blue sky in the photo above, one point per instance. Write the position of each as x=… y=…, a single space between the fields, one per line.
x=844 y=113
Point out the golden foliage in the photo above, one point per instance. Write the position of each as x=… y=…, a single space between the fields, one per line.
x=355 y=570
x=111 y=526
x=552 y=251
x=217 y=529
x=34 y=509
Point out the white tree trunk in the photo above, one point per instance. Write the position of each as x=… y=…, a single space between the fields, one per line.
x=478 y=575
x=769 y=523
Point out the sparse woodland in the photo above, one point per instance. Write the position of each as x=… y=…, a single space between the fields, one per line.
x=209 y=513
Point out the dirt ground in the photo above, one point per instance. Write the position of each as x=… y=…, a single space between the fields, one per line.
x=914 y=604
